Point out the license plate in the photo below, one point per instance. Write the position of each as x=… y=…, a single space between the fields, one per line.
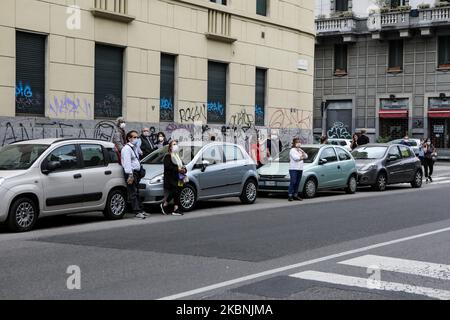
x=271 y=183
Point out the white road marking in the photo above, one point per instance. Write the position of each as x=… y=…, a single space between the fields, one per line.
x=372 y=285
x=419 y=268
x=297 y=265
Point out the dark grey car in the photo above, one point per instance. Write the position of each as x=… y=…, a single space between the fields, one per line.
x=381 y=164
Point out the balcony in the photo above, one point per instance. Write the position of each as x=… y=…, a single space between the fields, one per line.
x=219 y=26
x=345 y=26
x=433 y=17
x=112 y=9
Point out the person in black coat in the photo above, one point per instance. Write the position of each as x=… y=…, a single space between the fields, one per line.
x=174 y=171
x=363 y=139
x=147 y=146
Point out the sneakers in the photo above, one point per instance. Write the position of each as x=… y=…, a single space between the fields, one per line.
x=162 y=209
x=426 y=181
x=177 y=213
x=298 y=199
x=431 y=180
x=291 y=199
x=140 y=215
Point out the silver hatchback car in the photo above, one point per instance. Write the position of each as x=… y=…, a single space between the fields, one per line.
x=57 y=177
x=216 y=170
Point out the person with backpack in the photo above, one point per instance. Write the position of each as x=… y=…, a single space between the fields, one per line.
x=429 y=152
x=133 y=173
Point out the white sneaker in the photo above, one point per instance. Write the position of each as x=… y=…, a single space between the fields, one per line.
x=162 y=209
x=140 y=215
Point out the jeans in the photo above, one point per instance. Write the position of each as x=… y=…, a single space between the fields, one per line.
x=133 y=194
x=428 y=164
x=296 y=176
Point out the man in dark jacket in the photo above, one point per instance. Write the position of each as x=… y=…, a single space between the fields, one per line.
x=147 y=146
x=363 y=139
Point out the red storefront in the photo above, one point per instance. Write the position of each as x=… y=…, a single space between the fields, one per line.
x=393 y=116
x=439 y=121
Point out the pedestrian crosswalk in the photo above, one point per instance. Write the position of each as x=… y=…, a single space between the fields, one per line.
x=375 y=264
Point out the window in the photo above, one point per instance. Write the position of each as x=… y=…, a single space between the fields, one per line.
x=30 y=74
x=233 y=153
x=329 y=154
x=340 y=59
x=396 y=55
x=20 y=156
x=213 y=155
x=108 y=81
x=261 y=7
x=217 y=92
x=343 y=155
x=260 y=96
x=67 y=156
x=397 y=3
x=406 y=152
x=167 y=91
x=113 y=156
x=92 y=155
x=341 y=5
x=393 y=151
x=224 y=2
x=444 y=52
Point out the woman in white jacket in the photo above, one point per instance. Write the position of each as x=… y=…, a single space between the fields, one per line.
x=296 y=156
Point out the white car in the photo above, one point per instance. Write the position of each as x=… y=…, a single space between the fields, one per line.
x=346 y=143
x=59 y=176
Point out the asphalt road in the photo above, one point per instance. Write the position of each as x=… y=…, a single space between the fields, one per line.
x=330 y=247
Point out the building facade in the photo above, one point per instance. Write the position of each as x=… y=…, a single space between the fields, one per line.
x=166 y=63
x=387 y=72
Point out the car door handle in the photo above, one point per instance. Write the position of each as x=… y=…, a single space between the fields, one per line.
x=77 y=176
x=339 y=167
x=108 y=173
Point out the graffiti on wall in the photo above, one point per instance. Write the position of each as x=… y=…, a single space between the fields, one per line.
x=26 y=100
x=242 y=119
x=339 y=131
x=259 y=115
x=66 y=107
x=291 y=118
x=166 y=109
x=193 y=114
x=216 y=112
x=109 y=107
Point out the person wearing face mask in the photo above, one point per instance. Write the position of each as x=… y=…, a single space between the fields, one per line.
x=174 y=179
x=119 y=137
x=429 y=152
x=162 y=141
x=147 y=146
x=132 y=169
x=296 y=156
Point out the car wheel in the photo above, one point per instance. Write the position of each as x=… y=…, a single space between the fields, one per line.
x=352 y=185
x=23 y=215
x=310 y=188
x=115 y=205
x=381 y=182
x=188 y=198
x=417 y=182
x=250 y=192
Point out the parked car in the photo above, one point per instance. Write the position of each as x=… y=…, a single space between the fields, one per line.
x=413 y=143
x=346 y=143
x=327 y=167
x=49 y=177
x=216 y=170
x=382 y=164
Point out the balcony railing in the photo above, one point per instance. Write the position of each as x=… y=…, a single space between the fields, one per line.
x=112 y=9
x=219 y=26
x=395 y=19
x=345 y=25
x=434 y=15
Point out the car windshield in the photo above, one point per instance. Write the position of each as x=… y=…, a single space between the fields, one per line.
x=187 y=153
x=369 y=152
x=412 y=143
x=20 y=156
x=283 y=156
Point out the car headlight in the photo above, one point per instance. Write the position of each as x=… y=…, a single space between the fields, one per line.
x=369 y=167
x=2 y=180
x=157 y=179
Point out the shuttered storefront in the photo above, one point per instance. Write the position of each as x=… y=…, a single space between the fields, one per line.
x=260 y=96
x=30 y=74
x=108 y=81
x=167 y=91
x=217 y=92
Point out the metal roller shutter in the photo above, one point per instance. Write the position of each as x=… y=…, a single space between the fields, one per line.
x=217 y=92
x=108 y=81
x=167 y=87
x=30 y=74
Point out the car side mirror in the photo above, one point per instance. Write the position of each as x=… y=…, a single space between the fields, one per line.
x=51 y=166
x=323 y=161
x=392 y=158
x=205 y=164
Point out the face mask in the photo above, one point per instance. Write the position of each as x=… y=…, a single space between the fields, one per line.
x=135 y=142
x=123 y=125
x=175 y=148
x=161 y=139
x=146 y=134
x=298 y=145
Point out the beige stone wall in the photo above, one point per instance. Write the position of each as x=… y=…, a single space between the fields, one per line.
x=175 y=27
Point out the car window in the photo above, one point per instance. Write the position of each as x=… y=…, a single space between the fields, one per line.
x=92 y=155
x=20 y=156
x=233 y=153
x=67 y=156
x=283 y=156
x=406 y=152
x=213 y=154
x=113 y=157
x=343 y=155
x=186 y=153
x=329 y=154
x=393 y=151
x=369 y=152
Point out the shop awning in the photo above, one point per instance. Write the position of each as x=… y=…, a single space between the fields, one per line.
x=439 y=113
x=393 y=113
